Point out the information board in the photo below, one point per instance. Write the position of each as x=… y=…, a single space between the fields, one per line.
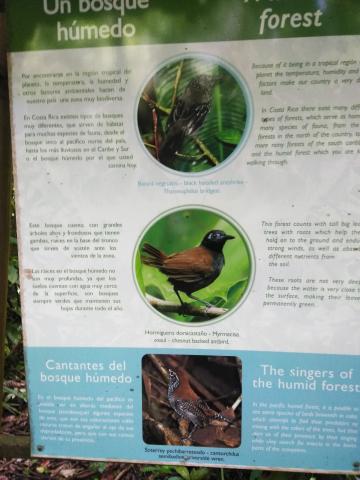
x=188 y=193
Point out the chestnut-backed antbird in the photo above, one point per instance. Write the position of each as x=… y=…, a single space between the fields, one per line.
x=187 y=404
x=187 y=115
x=192 y=269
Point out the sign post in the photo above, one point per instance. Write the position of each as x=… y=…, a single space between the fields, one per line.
x=187 y=188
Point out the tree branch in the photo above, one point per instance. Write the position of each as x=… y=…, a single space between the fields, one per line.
x=206 y=151
x=164 y=306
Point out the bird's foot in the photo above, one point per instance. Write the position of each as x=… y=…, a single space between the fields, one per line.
x=188 y=437
x=184 y=309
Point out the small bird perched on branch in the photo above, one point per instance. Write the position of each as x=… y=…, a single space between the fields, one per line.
x=187 y=115
x=192 y=269
x=187 y=404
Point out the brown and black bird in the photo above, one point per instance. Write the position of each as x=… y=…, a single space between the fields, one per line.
x=192 y=269
x=187 y=404
x=187 y=115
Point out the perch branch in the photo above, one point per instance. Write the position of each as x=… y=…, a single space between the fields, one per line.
x=236 y=403
x=149 y=145
x=177 y=80
x=123 y=473
x=160 y=366
x=191 y=157
x=152 y=104
x=156 y=138
x=170 y=437
x=163 y=306
x=206 y=151
x=158 y=380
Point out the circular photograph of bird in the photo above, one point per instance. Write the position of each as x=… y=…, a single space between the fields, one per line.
x=193 y=114
x=193 y=265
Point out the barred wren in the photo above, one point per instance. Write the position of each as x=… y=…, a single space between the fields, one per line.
x=187 y=404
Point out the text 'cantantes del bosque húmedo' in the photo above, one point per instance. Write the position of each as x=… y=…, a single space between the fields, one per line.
x=80 y=31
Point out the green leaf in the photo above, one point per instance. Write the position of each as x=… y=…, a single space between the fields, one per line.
x=218 y=107
x=41 y=469
x=12 y=274
x=138 y=272
x=199 y=473
x=155 y=291
x=235 y=292
x=158 y=469
x=98 y=466
x=256 y=475
x=278 y=476
x=218 y=301
x=183 y=472
x=230 y=136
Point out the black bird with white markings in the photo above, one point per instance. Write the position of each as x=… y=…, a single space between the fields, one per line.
x=187 y=115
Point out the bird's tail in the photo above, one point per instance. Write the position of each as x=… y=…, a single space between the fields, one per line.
x=219 y=416
x=152 y=256
x=212 y=414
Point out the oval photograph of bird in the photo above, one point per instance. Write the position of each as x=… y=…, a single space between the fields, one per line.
x=191 y=269
x=196 y=274
x=193 y=114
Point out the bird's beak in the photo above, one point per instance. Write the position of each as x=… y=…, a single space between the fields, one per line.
x=229 y=237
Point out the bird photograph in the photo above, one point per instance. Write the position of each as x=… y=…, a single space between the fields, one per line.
x=193 y=265
x=192 y=114
x=192 y=400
